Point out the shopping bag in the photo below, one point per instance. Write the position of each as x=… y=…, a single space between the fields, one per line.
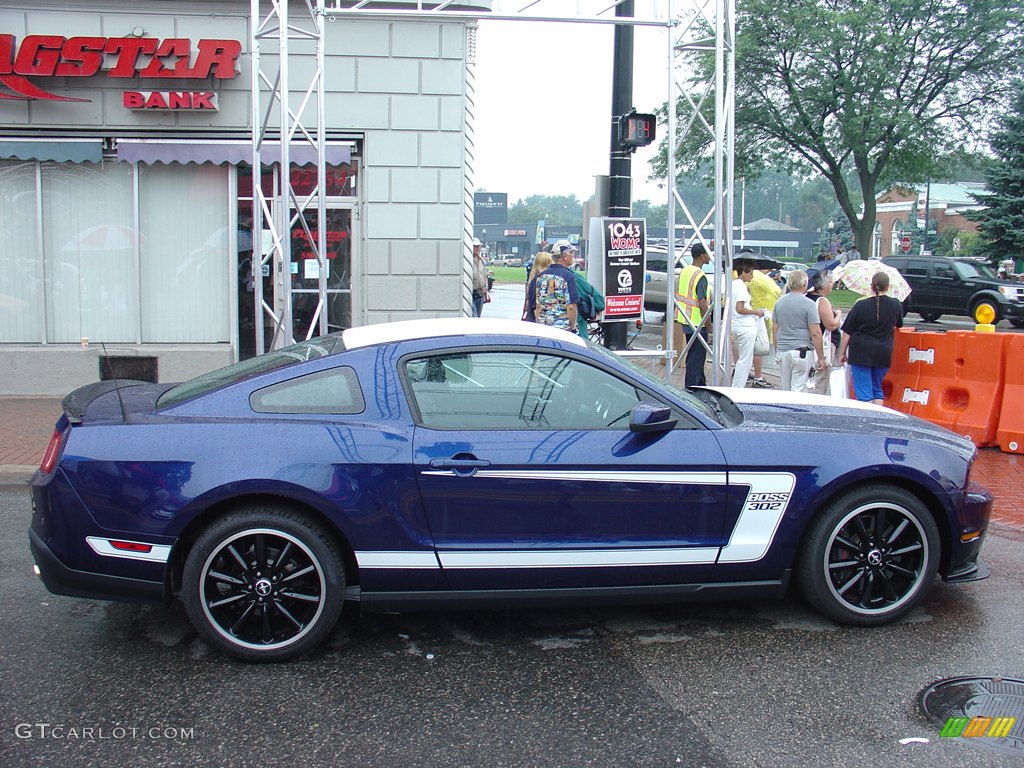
x=839 y=382
x=761 y=346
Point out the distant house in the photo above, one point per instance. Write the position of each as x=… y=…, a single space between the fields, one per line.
x=947 y=204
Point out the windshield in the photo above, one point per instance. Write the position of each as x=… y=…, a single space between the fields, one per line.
x=968 y=269
x=658 y=382
x=322 y=346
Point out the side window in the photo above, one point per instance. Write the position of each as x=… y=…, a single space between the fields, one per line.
x=332 y=391
x=917 y=269
x=943 y=271
x=517 y=390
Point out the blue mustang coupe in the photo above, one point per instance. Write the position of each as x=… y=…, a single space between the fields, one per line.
x=475 y=462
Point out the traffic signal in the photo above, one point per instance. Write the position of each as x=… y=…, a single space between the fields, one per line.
x=636 y=129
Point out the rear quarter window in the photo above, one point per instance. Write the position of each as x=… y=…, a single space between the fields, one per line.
x=334 y=391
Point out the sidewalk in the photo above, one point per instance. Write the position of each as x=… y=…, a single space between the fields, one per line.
x=26 y=425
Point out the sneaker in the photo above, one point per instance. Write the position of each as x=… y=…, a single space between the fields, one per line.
x=761 y=383
x=750 y=376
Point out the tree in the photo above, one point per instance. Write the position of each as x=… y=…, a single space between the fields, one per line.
x=1002 y=220
x=874 y=91
x=555 y=210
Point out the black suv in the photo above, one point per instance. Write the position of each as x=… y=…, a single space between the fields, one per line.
x=959 y=287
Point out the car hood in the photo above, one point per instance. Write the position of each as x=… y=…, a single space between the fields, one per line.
x=771 y=410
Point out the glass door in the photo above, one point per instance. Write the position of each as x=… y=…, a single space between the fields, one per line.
x=321 y=296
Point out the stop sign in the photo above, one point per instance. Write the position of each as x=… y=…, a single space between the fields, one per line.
x=905 y=244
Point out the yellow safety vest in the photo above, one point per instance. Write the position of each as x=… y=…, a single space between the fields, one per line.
x=686 y=295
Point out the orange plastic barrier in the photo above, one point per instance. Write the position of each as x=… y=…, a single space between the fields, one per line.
x=954 y=379
x=1010 y=432
x=904 y=371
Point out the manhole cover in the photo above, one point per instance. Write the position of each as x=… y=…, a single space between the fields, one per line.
x=987 y=711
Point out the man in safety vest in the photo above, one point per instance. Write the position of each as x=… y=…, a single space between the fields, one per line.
x=692 y=298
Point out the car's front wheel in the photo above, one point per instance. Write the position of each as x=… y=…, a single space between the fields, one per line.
x=263 y=584
x=930 y=317
x=870 y=556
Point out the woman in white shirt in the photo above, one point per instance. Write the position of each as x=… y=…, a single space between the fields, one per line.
x=744 y=322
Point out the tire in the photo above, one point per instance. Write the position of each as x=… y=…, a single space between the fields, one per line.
x=263 y=584
x=984 y=306
x=930 y=317
x=856 y=577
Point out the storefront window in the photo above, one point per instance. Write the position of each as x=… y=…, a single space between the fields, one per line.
x=90 y=242
x=21 y=272
x=108 y=269
x=185 y=269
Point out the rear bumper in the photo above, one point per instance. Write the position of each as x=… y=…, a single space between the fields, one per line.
x=62 y=580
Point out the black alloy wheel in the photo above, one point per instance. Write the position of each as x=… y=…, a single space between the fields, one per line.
x=263 y=585
x=930 y=317
x=870 y=557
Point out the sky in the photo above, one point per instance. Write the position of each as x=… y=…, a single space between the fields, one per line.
x=543 y=118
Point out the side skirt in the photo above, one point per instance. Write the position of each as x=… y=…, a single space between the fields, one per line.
x=372 y=602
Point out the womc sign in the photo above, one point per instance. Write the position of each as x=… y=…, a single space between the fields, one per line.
x=119 y=57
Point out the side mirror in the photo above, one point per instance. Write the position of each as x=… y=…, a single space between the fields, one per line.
x=647 y=417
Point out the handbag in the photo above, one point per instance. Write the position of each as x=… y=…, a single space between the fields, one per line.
x=761 y=345
x=839 y=382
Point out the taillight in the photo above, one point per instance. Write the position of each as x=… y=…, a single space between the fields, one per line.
x=52 y=452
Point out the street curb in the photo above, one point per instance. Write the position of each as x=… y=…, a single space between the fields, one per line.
x=16 y=476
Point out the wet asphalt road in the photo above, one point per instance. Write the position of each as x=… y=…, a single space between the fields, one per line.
x=743 y=684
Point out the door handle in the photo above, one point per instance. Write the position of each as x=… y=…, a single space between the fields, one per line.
x=459 y=464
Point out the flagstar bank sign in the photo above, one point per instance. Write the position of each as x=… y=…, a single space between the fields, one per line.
x=23 y=64
x=490 y=208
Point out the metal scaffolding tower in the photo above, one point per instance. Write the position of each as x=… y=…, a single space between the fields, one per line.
x=691 y=26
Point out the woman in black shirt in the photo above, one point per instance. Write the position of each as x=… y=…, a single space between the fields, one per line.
x=868 y=339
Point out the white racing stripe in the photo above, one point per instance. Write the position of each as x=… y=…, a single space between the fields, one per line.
x=400 y=560
x=580 y=558
x=743 y=395
x=768 y=497
x=597 y=476
x=765 y=505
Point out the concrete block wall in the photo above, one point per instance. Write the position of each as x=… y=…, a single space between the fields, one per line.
x=409 y=98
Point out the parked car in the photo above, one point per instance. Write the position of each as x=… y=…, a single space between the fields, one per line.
x=655 y=275
x=945 y=286
x=787 y=267
x=481 y=462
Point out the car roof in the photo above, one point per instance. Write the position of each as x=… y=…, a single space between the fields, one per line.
x=405 y=330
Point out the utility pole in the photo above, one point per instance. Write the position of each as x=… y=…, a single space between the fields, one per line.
x=620 y=168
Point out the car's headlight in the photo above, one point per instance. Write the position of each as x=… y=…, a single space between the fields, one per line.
x=1007 y=292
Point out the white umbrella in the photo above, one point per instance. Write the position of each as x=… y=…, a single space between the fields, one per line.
x=856 y=275
x=104 y=237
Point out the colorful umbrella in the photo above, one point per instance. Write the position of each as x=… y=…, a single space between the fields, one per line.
x=856 y=276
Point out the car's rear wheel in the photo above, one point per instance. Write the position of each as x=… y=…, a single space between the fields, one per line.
x=870 y=556
x=930 y=317
x=985 y=311
x=263 y=584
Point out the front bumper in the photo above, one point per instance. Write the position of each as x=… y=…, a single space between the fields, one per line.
x=1011 y=309
x=965 y=562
